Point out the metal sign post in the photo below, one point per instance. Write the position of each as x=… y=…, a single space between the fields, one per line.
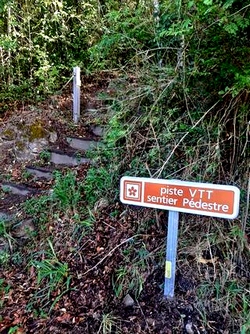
x=76 y=94
x=171 y=253
x=179 y=196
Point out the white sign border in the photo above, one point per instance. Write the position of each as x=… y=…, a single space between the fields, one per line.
x=182 y=183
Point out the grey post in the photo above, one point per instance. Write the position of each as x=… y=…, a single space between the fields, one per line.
x=76 y=94
x=172 y=237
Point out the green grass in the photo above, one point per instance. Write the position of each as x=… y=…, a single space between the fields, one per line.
x=67 y=192
x=52 y=274
x=4 y=290
x=109 y=324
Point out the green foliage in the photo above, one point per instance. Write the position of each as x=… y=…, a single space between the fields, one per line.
x=231 y=294
x=164 y=119
x=3 y=229
x=65 y=195
x=38 y=208
x=5 y=252
x=181 y=110
x=4 y=290
x=97 y=182
x=14 y=330
x=52 y=275
x=40 y=42
x=50 y=269
x=100 y=180
x=128 y=280
x=44 y=155
x=109 y=324
x=66 y=191
x=129 y=277
x=4 y=258
x=126 y=32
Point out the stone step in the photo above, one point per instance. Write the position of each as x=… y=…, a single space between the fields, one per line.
x=97 y=130
x=82 y=144
x=5 y=216
x=40 y=172
x=17 y=189
x=19 y=227
x=23 y=229
x=58 y=157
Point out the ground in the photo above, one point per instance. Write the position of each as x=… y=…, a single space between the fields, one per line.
x=110 y=264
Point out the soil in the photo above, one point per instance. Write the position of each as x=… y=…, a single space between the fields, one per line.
x=89 y=304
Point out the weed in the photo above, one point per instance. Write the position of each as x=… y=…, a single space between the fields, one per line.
x=17 y=258
x=114 y=214
x=6 y=189
x=129 y=278
x=45 y=156
x=97 y=182
x=51 y=269
x=4 y=258
x=14 y=330
x=26 y=175
x=4 y=290
x=109 y=324
x=8 y=241
x=51 y=275
x=3 y=229
x=37 y=313
x=119 y=281
x=66 y=191
x=38 y=207
x=246 y=326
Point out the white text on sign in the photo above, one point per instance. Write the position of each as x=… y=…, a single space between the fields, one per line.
x=191 y=197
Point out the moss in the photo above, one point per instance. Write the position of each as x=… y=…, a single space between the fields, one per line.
x=20 y=145
x=36 y=131
x=9 y=134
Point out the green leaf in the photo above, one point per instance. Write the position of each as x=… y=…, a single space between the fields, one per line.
x=208 y=2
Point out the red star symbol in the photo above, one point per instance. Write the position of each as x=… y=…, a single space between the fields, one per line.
x=132 y=191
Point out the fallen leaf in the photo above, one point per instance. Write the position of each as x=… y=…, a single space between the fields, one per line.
x=206 y=261
x=64 y=318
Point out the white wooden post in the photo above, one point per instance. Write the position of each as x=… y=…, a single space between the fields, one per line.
x=76 y=94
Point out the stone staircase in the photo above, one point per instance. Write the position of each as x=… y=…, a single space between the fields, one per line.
x=70 y=154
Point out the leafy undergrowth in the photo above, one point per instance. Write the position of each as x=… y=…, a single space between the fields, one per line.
x=100 y=268
x=73 y=274
x=178 y=108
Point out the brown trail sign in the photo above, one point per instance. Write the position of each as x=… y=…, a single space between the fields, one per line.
x=179 y=196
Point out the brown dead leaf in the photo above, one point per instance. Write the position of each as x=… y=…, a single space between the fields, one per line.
x=206 y=261
x=63 y=318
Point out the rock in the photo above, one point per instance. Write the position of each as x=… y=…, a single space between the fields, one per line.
x=23 y=229
x=128 y=301
x=97 y=130
x=101 y=204
x=25 y=150
x=4 y=245
x=188 y=328
x=151 y=321
x=40 y=172
x=5 y=216
x=53 y=137
x=60 y=158
x=17 y=189
x=37 y=145
x=82 y=144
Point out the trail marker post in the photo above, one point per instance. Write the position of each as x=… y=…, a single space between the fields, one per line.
x=179 y=196
x=76 y=94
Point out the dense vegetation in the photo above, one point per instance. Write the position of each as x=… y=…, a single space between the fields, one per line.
x=178 y=108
